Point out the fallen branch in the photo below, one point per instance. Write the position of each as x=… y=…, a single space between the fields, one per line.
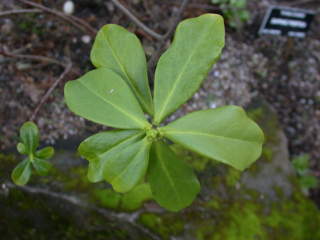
x=300 y=2
x=128 y=218
x=31 y=57
x=137 y=21
x=77 y=22
x=177 y=17
x=19 y=11
x=48 y=93
x=193 y=5
x=12 y=54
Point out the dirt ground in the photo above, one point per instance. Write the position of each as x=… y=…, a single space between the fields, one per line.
x=285 y=72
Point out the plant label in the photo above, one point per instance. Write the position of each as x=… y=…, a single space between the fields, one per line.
x=291 y=22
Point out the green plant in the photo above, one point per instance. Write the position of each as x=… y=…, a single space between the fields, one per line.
x=235 y=11
x=29 y=137
x=306 y=180
x=117 y=92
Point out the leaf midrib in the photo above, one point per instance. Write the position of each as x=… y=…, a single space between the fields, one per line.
x=165 y=104
x=143 y=148
x=131 y=83
x=106 y=152
x=163 y=166
x=141 y=123
x=207 y=135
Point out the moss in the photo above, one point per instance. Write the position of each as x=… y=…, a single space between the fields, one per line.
x=243 y=223
x=77 y=179
x=107 y=198
x=266 y=119
x=198 y=162
x=267 y=153
x=232 y=177
x=128 y=202
x=36 y=216
x=295 y=219
x=166 y=226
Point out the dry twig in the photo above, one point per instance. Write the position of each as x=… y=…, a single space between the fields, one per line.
x=67 y=69
x=52 y=87
x=160 y=45
x=13 y=54
x=137 y=21
x=77 y=22
x=31 y=57
x=300 y=2
x=19 y=11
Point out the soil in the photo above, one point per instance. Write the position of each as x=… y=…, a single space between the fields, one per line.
x=284 y=71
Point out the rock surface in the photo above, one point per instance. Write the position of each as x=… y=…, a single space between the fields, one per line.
x=264 y=202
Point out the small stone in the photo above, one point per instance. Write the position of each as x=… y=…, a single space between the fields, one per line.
x=86 y=39
x=68 y=7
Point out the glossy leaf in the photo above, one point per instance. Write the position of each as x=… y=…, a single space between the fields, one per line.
x=41 y=166
x=22 y=172
x=126 y=168
x=98 y=148
x=196 y=46
x=29 y=135
x=120 y=50
x=45 y=153
x=173 y=183
x=103 y=97
x=225 y=134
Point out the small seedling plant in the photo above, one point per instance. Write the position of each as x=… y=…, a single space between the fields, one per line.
x=117 y=94
x=307 y=181
x=35 y=159
x=235 y=11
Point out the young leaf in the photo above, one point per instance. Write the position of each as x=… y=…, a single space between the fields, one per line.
x=197 y=45
x=22 y=172
x=29 y=135
x=21 y=148
x=41 y=166
x=98 y=148
x=173 y=183
x=125 y=169
x=120 y=50
x=45 y=153
x=225 y=134
x=103 y=97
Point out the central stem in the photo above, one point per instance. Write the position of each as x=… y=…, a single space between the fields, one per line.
x=153 y=134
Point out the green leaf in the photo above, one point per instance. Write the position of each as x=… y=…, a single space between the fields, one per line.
x=22 y=172
x=225 y=134
x=45 y=153
x=308 y=181
x=21 y=148
x=120 y=50
x=98 y=148
x=173 y=183
x=124 y=170
x=136 y=197
x=41 y=166
x=181 y=69
x=103 y=97
x=29 y=135
x=301 y=164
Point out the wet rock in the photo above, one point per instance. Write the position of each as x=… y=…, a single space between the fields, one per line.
x=265 y=202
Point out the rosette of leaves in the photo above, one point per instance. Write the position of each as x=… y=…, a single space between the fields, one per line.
x=35 y=159
x=117 y=94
